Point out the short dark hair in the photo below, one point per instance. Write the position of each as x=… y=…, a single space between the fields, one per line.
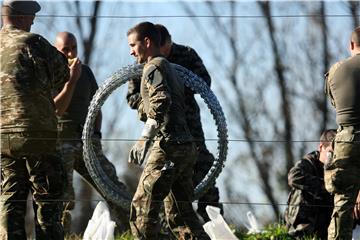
x=146 y=29
x=355 y=36
x=164 y=34
x=327 y=137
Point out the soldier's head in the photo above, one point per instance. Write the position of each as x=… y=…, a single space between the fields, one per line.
x=20 y=14
x=144 y=41
x=355 y=42
x=65 y=42
x=165 y=40
x=326 y=146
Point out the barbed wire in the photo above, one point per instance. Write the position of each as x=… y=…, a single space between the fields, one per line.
x=198 y=16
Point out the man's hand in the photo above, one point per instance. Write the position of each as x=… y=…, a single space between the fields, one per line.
x=75 y=69
x=356 y=211
x=138 y=152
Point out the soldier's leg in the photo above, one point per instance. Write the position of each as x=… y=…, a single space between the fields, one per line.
x=70 y=151
x=14 y=192
x=202 y=166
x=117 y=213
x=182 y=218
x=154 y=185
x=342 y=178
x=341 y=225
x=48 y=179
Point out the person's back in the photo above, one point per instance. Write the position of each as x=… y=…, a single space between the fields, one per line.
x=27 y=65
x=346 y=91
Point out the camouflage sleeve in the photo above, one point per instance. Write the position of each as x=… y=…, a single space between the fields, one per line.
x=159 y=97
x=328 y=81
x=60 y=69
x=141 y=111
x=133 y=96
x=197 y=66
x=302 y=177
x=56 y=63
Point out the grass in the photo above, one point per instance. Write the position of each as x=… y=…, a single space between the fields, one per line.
x=272 y=232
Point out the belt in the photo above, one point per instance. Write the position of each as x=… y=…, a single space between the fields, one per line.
x=351 y=128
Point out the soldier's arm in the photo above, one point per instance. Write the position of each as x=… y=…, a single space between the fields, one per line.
x=328 y=81
x=302 y=177
x=159 y=97
x=141 y=111
x=133 y=96
x=63 y=98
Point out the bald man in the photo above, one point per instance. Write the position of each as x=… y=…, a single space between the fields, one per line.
x=72 y=104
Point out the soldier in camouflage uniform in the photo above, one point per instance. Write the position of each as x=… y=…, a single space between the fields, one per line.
x=30 y=70
x=309 y=204
x=342 y=174
x=167 y=142
x=188 y=58
x=72 y=106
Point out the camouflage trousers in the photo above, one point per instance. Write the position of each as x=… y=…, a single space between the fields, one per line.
x=30 y=165
x=342 y=179
x=72 y=156
x=166 y=178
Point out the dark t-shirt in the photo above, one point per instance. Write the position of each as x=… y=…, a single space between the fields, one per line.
x=345 y=89
x=84 y=91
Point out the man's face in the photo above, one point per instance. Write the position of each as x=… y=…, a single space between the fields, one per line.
x=137 y=48
x=324 y=151
x=68 y=46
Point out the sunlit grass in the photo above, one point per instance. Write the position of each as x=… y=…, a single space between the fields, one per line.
x=272 y=232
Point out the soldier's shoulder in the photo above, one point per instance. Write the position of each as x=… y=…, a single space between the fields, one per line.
x=334 y=68
x=184 y=49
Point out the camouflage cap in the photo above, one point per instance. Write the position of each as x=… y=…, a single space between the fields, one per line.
x=29 y=7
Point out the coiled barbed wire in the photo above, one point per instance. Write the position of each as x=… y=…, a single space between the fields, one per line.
x=116 y=80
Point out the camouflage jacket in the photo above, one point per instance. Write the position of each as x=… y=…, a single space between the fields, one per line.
x=307 y=194
x=188 y=58
x=162 y=99
x=183 y=56
x=31 y=70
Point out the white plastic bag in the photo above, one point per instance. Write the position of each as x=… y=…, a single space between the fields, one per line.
x=253 y=226
x=100 y=226
x=356 y=233
x=217 y=229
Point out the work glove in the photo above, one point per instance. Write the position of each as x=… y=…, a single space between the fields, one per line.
x=139 y=151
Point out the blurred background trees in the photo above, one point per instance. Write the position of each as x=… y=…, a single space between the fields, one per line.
x=267 y=61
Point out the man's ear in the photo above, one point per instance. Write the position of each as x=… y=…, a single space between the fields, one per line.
x=352 y=45
x=320 y=146
x=147 y=42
